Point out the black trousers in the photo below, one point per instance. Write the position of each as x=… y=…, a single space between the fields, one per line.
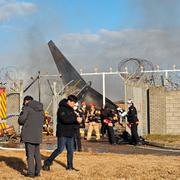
x=103 y=128
x=77 y=140
x=33 y=158
x=111 y=136
x=134 y=133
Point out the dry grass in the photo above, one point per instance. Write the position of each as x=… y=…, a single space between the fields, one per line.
x=169 y=139
x=95 y=166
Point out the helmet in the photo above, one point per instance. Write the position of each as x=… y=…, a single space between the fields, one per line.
x=92 y=104
x=130 y=101
x=83 y=103
x=46 y=113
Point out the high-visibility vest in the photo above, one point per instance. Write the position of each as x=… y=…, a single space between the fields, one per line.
x=3 y=109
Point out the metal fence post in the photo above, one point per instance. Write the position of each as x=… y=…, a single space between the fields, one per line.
x=104 y=88
x=55 y=107
x=20 y=100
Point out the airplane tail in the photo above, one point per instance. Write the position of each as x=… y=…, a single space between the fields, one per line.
x=66 y=69
x=76 y=84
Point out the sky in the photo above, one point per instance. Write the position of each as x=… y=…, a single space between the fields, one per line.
x=90 y=33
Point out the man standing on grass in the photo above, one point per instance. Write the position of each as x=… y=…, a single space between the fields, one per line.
x=31 y=118
x=66 y=123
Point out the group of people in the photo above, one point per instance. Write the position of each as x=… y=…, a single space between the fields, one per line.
x=102 y=122
x=99 y=121
x=71 y=118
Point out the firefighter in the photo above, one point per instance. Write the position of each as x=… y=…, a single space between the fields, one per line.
x=46 y=125
x=93 y=119
x=83 y=111
x=104 y=115
x=77 y=136
x=109 y=119
x=133 y=122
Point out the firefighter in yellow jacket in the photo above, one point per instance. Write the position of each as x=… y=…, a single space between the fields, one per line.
x=94 y=119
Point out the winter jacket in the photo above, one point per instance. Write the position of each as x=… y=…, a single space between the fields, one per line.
x=84 y=116
x=94 y=116
x=132 y=115
x=31 y=118
x=107 y=116
x=66 y=120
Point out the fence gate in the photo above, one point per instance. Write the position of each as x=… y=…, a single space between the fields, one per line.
x=13 y=110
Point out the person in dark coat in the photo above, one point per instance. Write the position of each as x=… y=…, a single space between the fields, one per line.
x=77 y=136
x=31 y=119
x=66 y=124
x=107 y=119
x=133 y=122
x=104 y=115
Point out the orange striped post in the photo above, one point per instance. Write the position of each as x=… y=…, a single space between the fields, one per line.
x=3 y=110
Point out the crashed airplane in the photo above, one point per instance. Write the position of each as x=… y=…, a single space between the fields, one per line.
x=75 y=83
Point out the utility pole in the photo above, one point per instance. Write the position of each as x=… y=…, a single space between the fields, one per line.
x=55 y=107
x=104 y=89
x=39 y=86
x=20 y=101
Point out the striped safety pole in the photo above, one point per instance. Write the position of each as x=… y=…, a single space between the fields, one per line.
x=3 y=109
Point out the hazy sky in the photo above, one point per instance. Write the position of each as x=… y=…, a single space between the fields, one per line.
x=90 y=33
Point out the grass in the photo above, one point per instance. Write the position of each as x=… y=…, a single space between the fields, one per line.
x=94 y=166
x=171 y=139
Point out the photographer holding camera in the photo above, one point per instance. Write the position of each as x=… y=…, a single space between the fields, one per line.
x=66 y=122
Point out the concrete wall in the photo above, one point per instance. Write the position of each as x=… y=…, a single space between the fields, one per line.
x=164 y=108
x=157 y=110
x=173 y=112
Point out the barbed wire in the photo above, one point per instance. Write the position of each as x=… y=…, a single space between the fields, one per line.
x=134 y=67
x=136 y=73
x=9 y=78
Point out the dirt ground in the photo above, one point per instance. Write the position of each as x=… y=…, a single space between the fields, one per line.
x=95 y=166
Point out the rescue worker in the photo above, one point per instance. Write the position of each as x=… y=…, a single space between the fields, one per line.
x=133 y=122
x=83 y=112
x=104 y=126
x=93 y=119
x=47 y=120
x=77 y=135
x=108 y=120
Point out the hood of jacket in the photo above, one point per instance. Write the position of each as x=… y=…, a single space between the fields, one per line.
x=35 y=105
